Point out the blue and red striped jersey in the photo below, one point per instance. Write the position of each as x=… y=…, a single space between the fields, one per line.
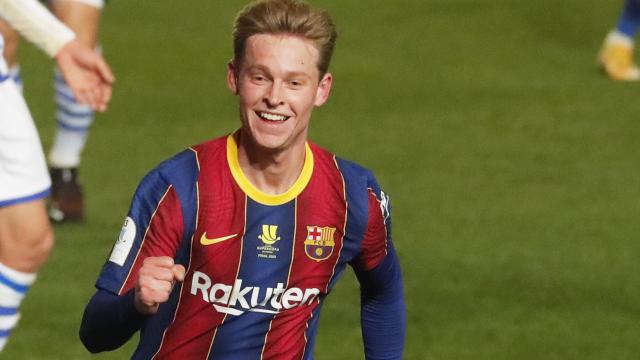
x=258 y=265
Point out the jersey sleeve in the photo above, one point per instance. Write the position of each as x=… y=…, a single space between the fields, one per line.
x=153 y=227
x=382 y=305
x=37 y=24
x=377 y=236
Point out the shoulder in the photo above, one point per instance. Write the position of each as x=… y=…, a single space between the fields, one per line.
x=171 y=171
x=207 y=149
x=349 y=170
x=360 y=182
x=187 y=163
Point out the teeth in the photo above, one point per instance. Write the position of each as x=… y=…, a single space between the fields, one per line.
x=272 y=117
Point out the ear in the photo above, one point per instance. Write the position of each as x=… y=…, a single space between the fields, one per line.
x=232 y=77
x=324 y=89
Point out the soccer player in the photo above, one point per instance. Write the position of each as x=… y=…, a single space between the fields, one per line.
x=617 y=54
x=25 y=234
x=74 y=118
x=230 y=247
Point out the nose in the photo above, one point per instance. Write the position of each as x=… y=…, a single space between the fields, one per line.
x=273 y=97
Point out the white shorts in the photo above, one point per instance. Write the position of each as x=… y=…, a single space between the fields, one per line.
x=23 y=170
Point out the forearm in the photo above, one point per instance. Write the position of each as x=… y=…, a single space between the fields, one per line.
x=37 y=24
x=109 y=321
x=383 y=313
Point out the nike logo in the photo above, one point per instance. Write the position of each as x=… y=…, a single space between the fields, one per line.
x=204 y=240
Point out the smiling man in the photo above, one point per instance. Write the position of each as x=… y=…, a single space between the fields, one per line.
x=230 y=247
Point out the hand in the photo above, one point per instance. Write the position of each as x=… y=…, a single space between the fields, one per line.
x=87 y=74
x=156 y=279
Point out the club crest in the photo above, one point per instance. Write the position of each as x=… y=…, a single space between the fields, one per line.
x=319 y=244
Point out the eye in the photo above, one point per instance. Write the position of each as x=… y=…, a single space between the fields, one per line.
x=296 y=83
x=258 y=78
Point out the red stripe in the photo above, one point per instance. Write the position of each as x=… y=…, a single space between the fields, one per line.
x=321 y=204
x=221 y=212
x=374 y=243
x=162 y=236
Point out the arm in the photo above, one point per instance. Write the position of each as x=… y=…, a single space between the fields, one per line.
x=110 y=320
x=37 y=24
x=86 y=72
x=140 y=273
x=383 y=313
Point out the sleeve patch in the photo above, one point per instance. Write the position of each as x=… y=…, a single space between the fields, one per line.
x=125 y=242
x=384 y=206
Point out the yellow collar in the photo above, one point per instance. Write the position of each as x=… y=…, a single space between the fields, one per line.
x=255 y=193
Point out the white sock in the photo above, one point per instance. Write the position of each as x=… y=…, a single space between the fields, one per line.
x=616 y=37
x=74 y=121
x=13 y=288
x=67 y=147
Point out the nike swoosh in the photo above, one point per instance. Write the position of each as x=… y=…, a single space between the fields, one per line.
x=204 y=240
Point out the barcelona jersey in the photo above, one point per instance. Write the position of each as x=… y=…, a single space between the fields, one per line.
x=258 y=266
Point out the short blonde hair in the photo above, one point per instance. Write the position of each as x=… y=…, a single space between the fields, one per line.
x=292 y=17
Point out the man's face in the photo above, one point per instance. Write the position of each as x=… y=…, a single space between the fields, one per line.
x=278 y=84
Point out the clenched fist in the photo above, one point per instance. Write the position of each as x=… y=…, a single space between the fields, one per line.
x=156 y=279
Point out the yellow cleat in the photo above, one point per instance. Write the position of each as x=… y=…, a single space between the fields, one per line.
x=616 y=58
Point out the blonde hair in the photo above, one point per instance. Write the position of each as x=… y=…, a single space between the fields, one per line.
x=291 y=17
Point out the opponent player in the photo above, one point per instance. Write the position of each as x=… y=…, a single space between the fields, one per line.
x=616 y=55
x=231 y=246
x=25 y=234
x=74 y=118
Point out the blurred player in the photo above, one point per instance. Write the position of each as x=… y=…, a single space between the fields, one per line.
x=617 y=53
x=73 y=118
x=25 y=234
x=231 y=246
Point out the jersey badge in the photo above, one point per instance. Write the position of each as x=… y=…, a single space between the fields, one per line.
x=319 y=244
x=269 y=237
x=125 y=241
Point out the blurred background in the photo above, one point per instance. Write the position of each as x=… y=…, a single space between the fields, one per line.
x=512 y=163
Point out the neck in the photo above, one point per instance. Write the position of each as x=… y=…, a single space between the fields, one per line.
x=272 y=171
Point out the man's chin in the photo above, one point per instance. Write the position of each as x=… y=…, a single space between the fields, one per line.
x=267 y=142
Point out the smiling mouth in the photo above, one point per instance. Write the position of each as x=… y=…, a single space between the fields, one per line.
x=267 y=116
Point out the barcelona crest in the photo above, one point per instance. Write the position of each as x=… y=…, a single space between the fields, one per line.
x=319 y=244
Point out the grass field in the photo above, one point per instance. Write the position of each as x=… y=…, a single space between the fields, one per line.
x=512 y=164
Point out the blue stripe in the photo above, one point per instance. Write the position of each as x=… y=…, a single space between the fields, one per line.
x=59 y=78
x=73 y=127
x=75 y=114
x=311 y=332
x=4 y=311
x=40 y=195
x=13 y=285
x=260 y=269
x=65 y=96
x=4 y=77
x=5 y=333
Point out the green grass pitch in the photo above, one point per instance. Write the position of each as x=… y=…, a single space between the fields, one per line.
x=511 y=162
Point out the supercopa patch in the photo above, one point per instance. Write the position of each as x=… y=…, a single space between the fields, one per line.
x=125 y=242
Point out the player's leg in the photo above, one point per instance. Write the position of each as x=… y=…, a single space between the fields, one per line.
x=26 y=237
x=74 y=119
x=11 y=41
x=617 y=54
x=26 y=240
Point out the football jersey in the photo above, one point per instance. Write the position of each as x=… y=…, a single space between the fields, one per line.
x=258 y=266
